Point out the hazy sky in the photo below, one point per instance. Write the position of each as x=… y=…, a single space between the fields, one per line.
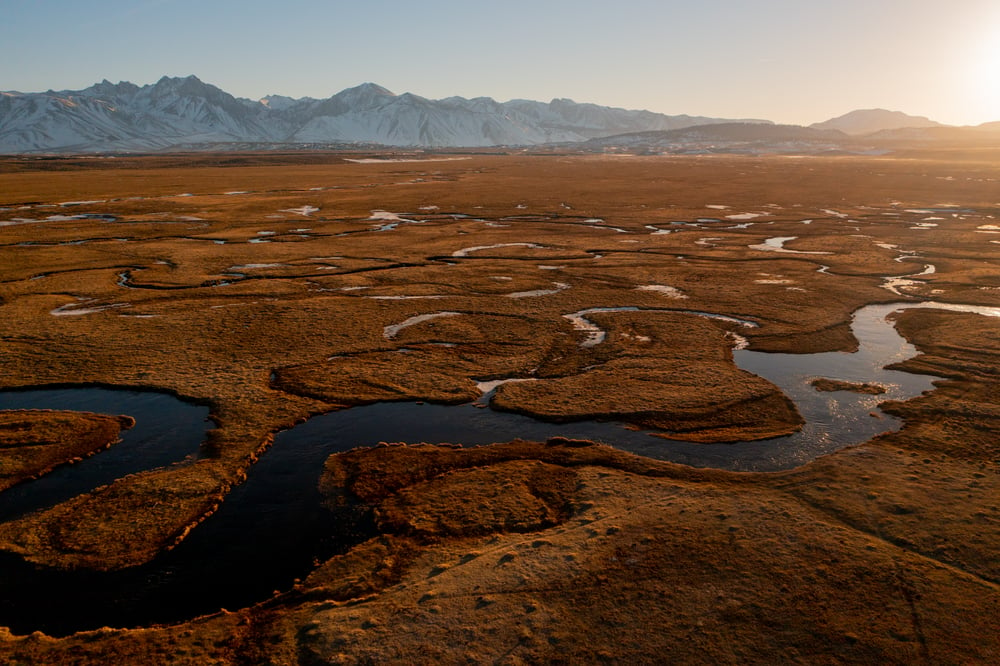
x=797 y=61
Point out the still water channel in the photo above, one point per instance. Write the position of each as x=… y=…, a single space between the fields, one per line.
x=272 y=529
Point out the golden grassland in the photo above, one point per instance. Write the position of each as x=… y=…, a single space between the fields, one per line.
x=34 y=442
x=213 y=282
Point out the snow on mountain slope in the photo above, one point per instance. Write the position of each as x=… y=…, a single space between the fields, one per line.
x=411 y=120
x=187 y=111
x=591 y=121
x=107 y=116
x=280 y=102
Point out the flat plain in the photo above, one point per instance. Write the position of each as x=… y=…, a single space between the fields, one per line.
x=274 y=288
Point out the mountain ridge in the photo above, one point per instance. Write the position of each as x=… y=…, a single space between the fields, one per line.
x=185 y=113
x=868 y=121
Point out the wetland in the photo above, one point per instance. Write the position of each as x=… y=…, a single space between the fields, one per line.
x=633 y=379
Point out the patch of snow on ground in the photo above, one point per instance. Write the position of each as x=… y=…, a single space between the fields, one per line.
x=79 y=308
x=392 y=220
x=595 y=334
x=739 y=342
x=372 y=160
x=557 y=287
x=834 y=213
x=384 y=215
x=894 y=284
x=777 y=244
x=243 y=267
x=392 y=331
x=605 y=226
x=717 y=206
x=656 y=231
x=18 y=220
x=666 y=290
x=464 y=252
x=491 y=385
x=302 y=210
x=743 y=216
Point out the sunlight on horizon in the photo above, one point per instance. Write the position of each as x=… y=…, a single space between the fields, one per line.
x=983 y=76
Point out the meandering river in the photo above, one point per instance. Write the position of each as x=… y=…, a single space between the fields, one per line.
x=272 y=529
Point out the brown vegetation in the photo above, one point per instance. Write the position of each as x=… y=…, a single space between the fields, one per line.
x=34 y=442
x=885 y=552
x=829 y=385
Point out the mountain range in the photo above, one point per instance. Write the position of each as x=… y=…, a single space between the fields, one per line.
x=188 y=114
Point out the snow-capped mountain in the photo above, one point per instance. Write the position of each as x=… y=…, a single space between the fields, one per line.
x=124 y=116
x=188 y=112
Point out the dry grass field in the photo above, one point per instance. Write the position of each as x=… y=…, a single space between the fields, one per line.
x=277 y=287
x=32 y=443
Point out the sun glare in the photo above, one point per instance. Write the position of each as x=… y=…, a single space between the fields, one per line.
x=984 y=75
x=990 y=61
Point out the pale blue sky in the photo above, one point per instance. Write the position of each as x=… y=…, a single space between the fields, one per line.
x=798 y=61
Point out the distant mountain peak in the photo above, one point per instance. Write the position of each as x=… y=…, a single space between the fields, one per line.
x=368 y=89
x=277 y=102
x=177 y=80
x=108 y=89
x=869 y=121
